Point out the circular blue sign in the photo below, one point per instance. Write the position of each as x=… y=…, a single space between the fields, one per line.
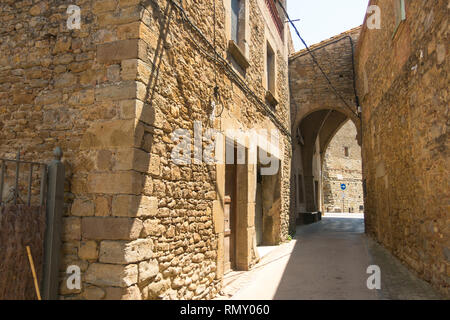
x=343 y=186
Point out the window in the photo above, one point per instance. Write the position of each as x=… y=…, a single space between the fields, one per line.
x=239 y=23
x=270 y=69
x=235 y=23
x=237 y=46
x=400 y=14
x=346 y=151
x=270 y=76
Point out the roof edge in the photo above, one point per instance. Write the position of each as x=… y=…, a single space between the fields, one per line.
x=319 y=44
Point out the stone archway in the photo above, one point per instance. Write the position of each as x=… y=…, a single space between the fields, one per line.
x=342 y=164
x=318 y=113
x=312 y=137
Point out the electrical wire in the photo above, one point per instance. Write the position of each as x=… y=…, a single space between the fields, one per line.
x=214 y=41
x=216 y=88
x=317 y=63
x=226 y=67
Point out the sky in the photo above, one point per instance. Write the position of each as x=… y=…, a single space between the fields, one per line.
x=322 y=19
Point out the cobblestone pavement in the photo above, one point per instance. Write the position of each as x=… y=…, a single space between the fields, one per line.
x=326 y=260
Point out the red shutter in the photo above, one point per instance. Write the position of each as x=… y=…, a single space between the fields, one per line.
x=275 y=16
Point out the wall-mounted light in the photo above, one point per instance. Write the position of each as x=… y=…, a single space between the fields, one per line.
x=216 y=104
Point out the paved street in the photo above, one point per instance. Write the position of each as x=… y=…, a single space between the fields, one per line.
x=327 y=260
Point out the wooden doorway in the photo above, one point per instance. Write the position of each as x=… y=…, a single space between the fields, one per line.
x=230 y=218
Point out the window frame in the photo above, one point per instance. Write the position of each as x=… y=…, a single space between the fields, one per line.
x=235 y=20
x=237 y=43
x=270 y=68
x=346 y=152
x=270 y=76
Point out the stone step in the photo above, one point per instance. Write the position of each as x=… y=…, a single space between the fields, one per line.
x=309 y=217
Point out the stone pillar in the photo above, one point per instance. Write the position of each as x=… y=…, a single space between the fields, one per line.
x=218 y=218
x=242 y=218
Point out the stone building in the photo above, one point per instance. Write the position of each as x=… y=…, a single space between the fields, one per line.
x=142 y=95
x=391 y=78
x=114 y=94
x=318 y=114
x=342 y=165
x=402 y=71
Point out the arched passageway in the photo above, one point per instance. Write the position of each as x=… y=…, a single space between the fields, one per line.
x=342 y=190
x=312 y=137
x=318 y=113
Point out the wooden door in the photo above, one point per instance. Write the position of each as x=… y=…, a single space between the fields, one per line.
x=229 y=218
x=227 y=248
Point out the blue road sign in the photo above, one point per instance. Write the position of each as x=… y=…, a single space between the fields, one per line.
x=343 y=186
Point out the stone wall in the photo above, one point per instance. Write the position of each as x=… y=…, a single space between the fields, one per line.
x=58 y=90
x=403 y=85
x=110 y=95
x=310 y=90
x=340 y=168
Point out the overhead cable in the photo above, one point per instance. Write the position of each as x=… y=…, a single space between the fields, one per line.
x=317 y=63
x=227 y=68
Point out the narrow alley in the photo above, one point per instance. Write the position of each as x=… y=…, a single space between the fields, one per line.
x=327 y=260
x=196 y=150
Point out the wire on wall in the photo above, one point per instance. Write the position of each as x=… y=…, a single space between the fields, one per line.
x=317 y=63
x=215 y=56
x=216 y=93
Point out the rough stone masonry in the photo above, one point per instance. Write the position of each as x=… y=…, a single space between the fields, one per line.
x=402 y=71
x=110 y=94
x=402 y=84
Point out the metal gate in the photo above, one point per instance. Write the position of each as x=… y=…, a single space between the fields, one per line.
x=31 y=204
